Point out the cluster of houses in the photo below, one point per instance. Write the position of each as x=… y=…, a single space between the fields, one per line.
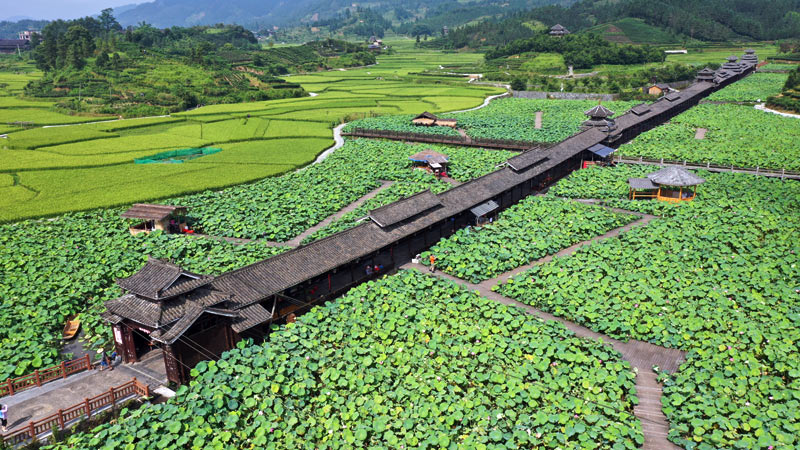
x=11 y=46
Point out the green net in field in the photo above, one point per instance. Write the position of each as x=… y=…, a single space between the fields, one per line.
x=177 y=156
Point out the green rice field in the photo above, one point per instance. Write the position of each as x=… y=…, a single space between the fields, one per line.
x=68 y=168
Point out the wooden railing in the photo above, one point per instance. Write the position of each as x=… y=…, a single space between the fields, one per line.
x=66 y=417
x=782 y=173
x=41 y=376
x=507 y=144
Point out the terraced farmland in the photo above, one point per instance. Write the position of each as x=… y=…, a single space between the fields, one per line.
x=92 y=165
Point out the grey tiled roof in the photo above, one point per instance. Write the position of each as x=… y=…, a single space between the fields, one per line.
x=396 y=212
x=160 y=279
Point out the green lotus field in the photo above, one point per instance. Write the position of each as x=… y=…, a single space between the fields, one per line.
x=533 y=228
x=54 y=268
x=737 y=135
x=430 y=376
x=717 y=277
x=755 y=88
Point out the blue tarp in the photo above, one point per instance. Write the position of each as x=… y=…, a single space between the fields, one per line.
x=601 y=150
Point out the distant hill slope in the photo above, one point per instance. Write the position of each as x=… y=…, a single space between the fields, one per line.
x=167 y=13
x=260 y=14
x=635 y=31
x=643 y=21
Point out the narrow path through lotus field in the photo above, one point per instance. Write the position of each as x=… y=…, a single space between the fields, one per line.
x=641 y=355
x=701 y=133
x=294 y=242
x=538 y=123
x=644 y=220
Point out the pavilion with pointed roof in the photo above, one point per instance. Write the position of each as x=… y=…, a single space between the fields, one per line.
x=750 y=57
x=705 y=75
x=732 y=65
x=600 y=117
x=670 y=184
x=558 y=30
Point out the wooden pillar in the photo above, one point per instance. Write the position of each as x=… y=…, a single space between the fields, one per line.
x=123 y=338
x=64 y=369
x=228 y=336
x=172 y=365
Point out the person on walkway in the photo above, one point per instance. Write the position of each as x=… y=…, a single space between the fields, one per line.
x=433 y=263
x=4 y=416
x=106 y=361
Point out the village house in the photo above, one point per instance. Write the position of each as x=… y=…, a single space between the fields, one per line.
x=168 y=218
x=558 y=30
x=11 y=46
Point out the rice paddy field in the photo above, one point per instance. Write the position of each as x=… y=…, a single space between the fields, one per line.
x=79 y=167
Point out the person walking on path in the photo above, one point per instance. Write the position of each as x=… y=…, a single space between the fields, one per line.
x=433 y=263
x=4 y=416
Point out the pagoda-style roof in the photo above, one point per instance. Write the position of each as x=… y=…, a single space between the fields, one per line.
x=599 y=112
x=169 y=318
x=429 y=156
x=733 y=58
x=750 y=51
x=396 y=212
x=675 y=176
x=152 y=212
x=641 y=109
x=558 y=30
x=425 y=115
x=706 y=71
x=641 y=183
x=160 y=279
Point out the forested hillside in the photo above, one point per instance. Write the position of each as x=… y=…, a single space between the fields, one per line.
x=429 y=16
x=91 y=65
x=10 y=30
x=708 y=20
x=789 y=99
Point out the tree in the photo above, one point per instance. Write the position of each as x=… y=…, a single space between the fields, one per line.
x=102 y=61
x=116 y=62
x=108 y=22
x=518 y=84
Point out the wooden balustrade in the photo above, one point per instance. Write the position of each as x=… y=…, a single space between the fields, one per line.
x=39 y=377
x=87 y=408
x=508 y=144
x=782 y=173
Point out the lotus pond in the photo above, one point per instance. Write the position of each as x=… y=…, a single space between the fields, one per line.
x=717 y=277
x=282 y=207
x=737 y=135
x=755 y=88
x=534 y=228
x=506 y=118
x=55 y=268
x=438 y=367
